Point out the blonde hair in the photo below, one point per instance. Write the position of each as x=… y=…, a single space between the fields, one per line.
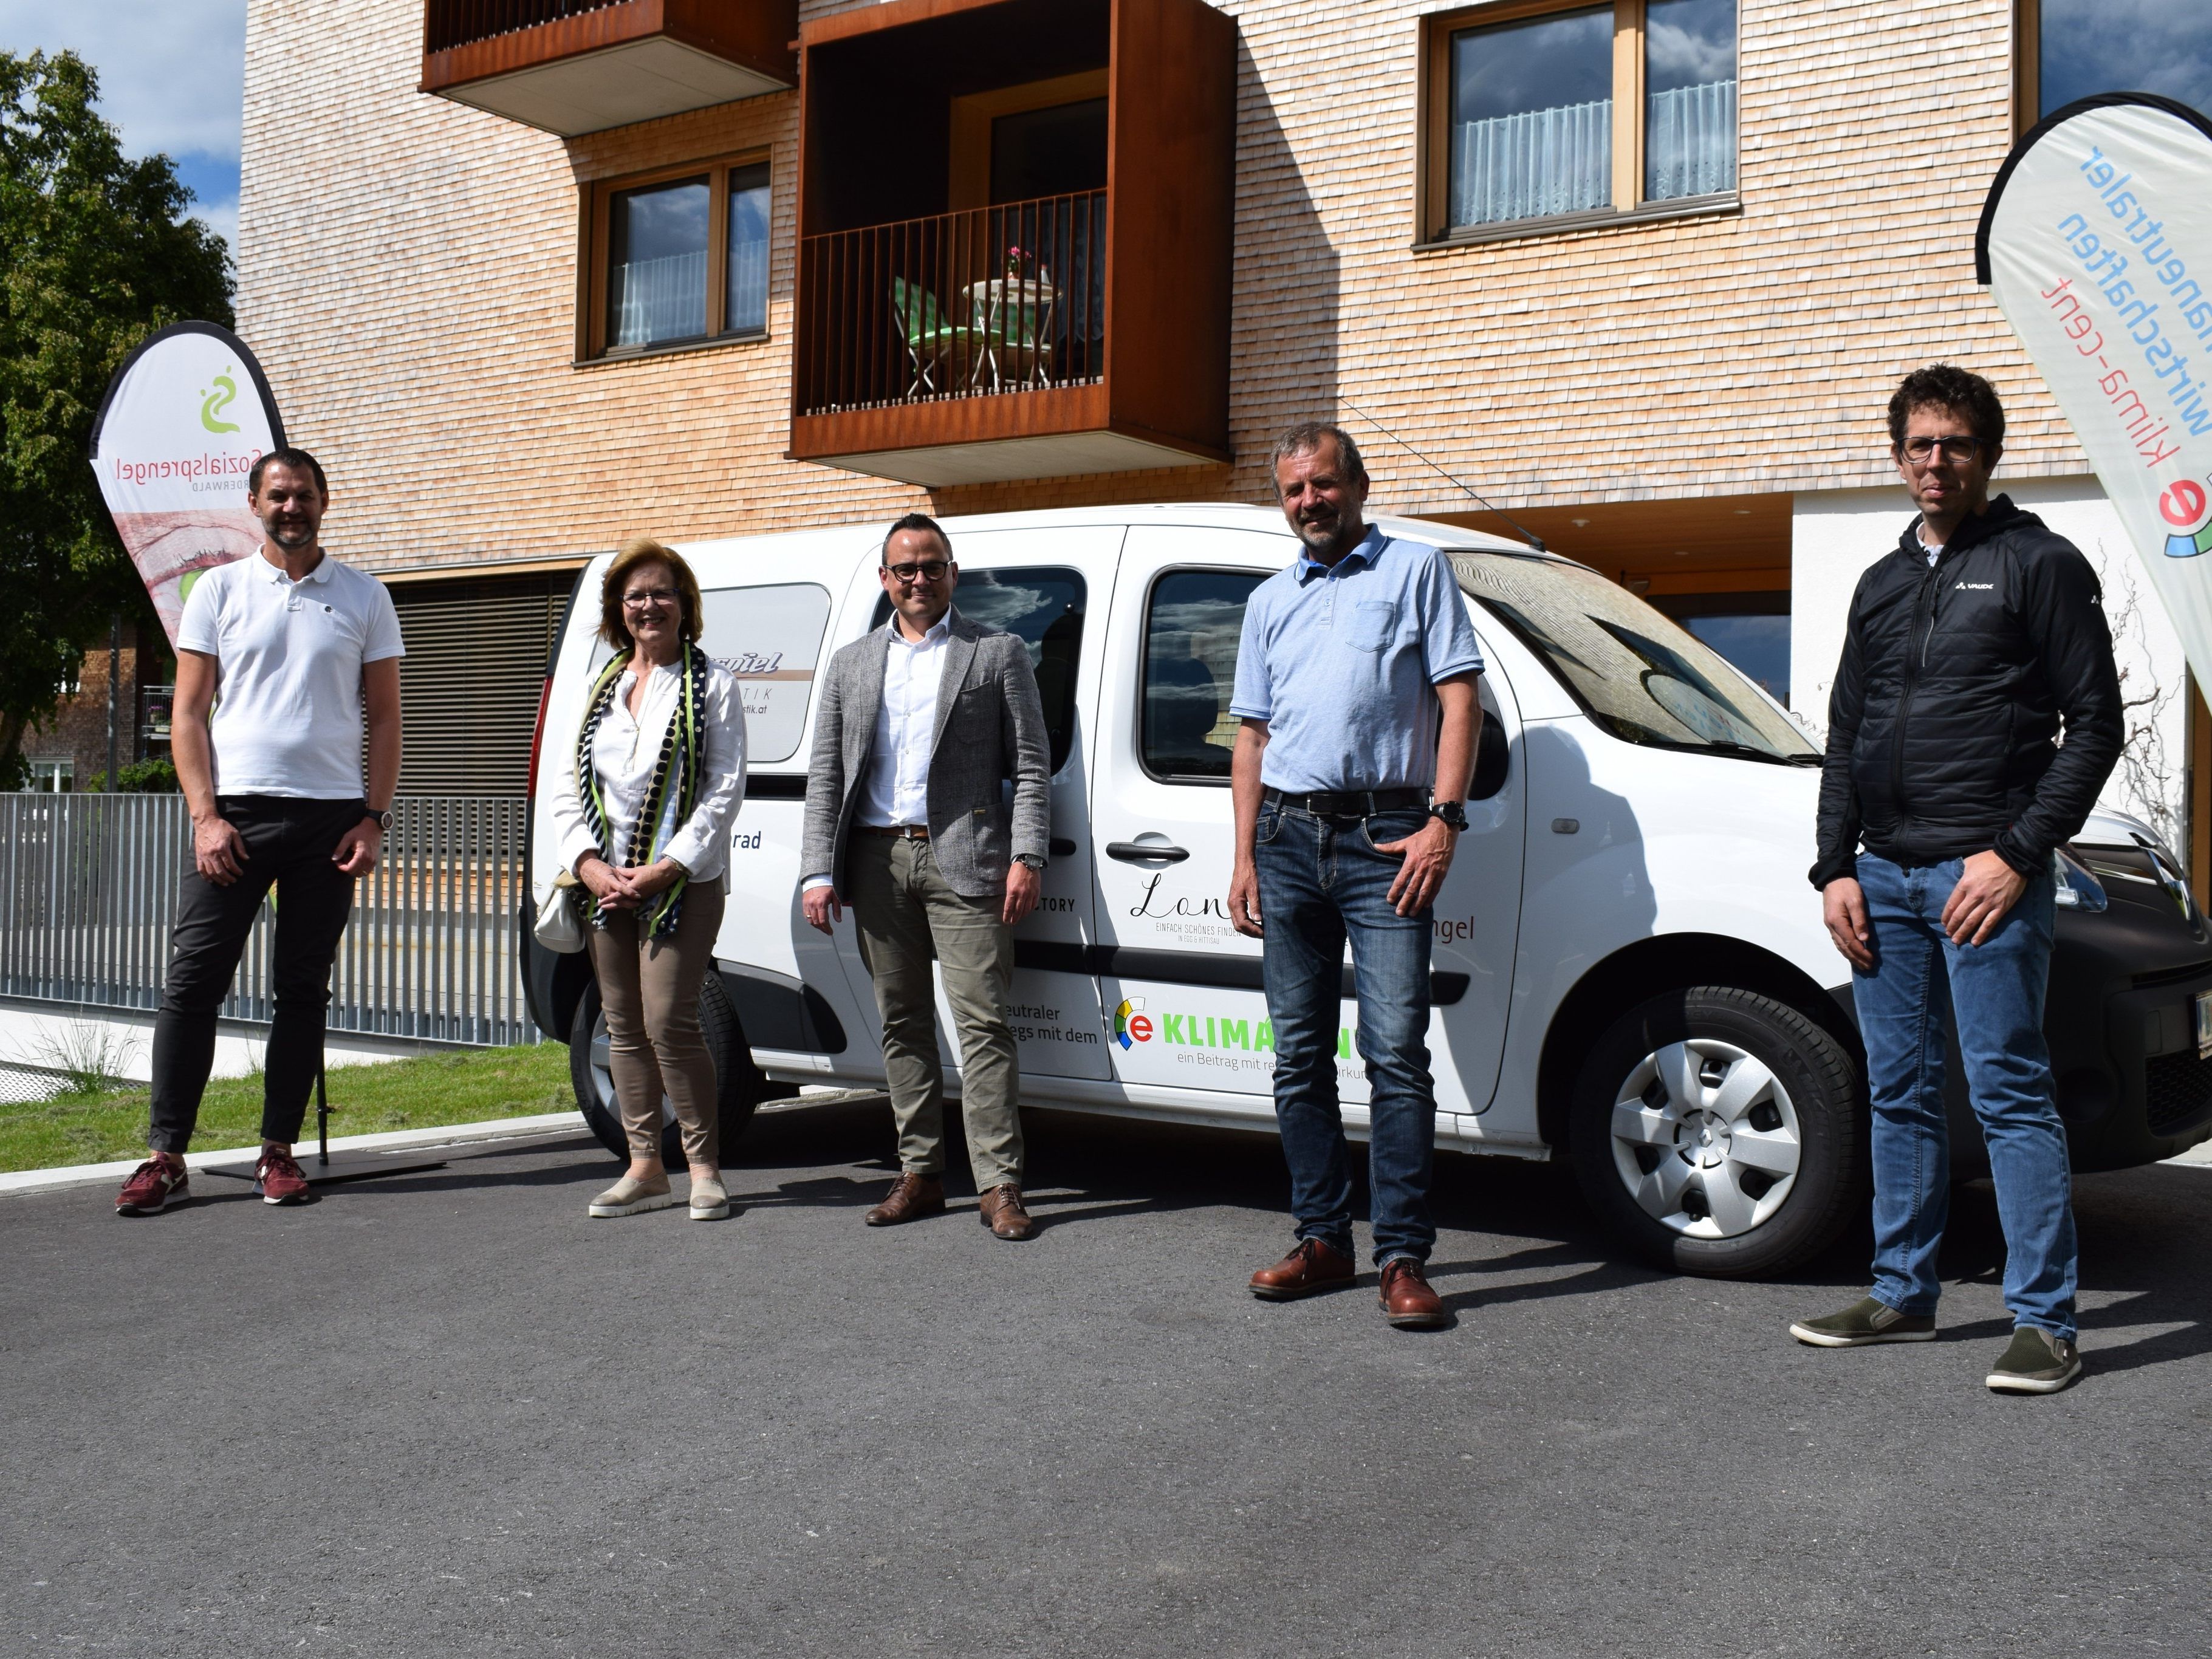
x=641 y=551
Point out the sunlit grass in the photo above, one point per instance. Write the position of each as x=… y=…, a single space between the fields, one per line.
x=428 y=1091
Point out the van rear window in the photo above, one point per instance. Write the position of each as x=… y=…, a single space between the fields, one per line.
x=770 y=639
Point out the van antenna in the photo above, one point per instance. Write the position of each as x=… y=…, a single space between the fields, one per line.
x=1527 y=535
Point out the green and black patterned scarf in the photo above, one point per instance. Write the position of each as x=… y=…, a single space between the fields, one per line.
x=666 y=810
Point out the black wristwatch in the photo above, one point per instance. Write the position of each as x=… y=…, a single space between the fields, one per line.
x=1034 y=861
x=381 y=820
x=1451 y=812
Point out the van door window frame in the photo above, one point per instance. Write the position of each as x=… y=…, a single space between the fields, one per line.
x=1144 y=661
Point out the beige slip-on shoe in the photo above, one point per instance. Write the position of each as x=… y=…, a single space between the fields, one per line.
x=710 y=1198
x=630 y=1196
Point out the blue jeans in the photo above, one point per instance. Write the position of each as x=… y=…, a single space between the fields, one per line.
x=1321 y=881
x=1921 y=983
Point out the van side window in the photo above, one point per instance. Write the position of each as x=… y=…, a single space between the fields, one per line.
x=1191 y=630
x=1043 y=604
x=769 y=639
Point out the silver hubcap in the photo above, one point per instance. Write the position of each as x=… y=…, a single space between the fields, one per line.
x=1706 y=1139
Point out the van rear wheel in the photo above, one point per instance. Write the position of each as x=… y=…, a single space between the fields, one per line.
x=1718 y=1131
x=739 y=1085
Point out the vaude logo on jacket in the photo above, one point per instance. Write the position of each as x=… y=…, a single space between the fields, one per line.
x=1978 y=587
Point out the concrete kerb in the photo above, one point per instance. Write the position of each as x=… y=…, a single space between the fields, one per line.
x=536 y=1128
x=540 y=1126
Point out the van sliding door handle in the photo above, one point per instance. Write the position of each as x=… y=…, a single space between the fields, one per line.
x=1145 y=852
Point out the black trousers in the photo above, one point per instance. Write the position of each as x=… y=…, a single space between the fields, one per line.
x=288 y=843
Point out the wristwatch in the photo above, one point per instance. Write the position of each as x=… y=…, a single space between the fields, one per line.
x=1451 y=812
x=381 y=820
x=1034 y=861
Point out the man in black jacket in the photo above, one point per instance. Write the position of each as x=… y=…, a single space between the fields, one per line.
x=1969 y=647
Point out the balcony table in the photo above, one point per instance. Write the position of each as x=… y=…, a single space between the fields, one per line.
x=996 y=309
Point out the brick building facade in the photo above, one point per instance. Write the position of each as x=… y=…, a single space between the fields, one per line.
x=1687 y=394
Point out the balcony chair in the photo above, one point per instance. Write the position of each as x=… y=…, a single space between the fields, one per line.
x=932 y=342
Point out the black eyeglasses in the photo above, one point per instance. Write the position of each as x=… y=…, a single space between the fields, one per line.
x=932 y=569
x=1921 y=450
x=651 y=596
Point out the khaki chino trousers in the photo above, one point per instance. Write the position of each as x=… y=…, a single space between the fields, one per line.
x=649 y=989
x=907 y=914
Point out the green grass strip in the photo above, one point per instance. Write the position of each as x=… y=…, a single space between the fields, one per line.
x=472 y=1085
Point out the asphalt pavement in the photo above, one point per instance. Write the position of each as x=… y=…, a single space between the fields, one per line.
x=447 y=1414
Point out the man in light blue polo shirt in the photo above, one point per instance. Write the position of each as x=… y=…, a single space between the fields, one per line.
x=1355 y=684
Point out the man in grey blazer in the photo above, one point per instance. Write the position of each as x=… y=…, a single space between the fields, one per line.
x=922 y=722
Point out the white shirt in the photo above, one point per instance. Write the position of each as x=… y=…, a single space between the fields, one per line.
x=625 y=750
x=895 y=789
x=289 y=656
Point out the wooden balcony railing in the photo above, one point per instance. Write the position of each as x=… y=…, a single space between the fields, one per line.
x=988 y=301
x=449 y=23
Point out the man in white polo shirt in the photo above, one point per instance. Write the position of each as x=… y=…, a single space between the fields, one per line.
x=297 y=644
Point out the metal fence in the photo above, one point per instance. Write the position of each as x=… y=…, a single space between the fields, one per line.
x=88 y=893
x=1006 y=298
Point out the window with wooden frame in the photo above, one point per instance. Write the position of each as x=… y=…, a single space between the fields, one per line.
x=1040 y=138
x=2068 y=49
x=1520 y=122
x=676 y=256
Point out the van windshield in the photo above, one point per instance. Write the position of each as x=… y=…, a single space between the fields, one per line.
x=1637 y=674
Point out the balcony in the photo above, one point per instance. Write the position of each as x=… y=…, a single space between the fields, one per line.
x=578 y=66
x=975 y=302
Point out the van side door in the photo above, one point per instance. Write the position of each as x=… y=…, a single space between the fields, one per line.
x=1046 y=587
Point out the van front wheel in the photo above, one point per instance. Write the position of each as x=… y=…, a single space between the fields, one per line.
x=1718 y=1131
x=739 y=1087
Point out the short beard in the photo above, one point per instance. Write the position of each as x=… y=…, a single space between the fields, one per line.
x=1332 y=543
x=292 y=541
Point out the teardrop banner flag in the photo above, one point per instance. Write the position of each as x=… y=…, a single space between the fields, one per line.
x=183 y=421
x=2096 y=241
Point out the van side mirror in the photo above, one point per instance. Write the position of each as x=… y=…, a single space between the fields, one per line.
x=1493 y=756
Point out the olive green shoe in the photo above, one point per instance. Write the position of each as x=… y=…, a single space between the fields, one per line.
x=1865 y=1323
x=2035 y=1362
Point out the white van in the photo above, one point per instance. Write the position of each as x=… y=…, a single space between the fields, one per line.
x=1630 y=968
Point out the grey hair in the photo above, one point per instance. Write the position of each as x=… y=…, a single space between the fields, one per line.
x=1306 y=437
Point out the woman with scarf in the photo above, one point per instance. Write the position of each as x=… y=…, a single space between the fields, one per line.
x=643 y=804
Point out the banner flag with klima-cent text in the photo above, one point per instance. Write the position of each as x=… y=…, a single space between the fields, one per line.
x=2096 y=242
x=183 y=421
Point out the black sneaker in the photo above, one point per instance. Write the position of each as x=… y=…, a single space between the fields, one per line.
x=1863 y=1324
x=2035 y=1362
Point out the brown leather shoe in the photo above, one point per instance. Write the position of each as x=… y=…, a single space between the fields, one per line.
x=911 y=1197
x=1407 y=1300
x=1002 y=1213
x=1313 y=1266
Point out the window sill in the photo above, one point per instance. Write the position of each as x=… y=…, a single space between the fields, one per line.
x=670 y=349
x=1562 y=224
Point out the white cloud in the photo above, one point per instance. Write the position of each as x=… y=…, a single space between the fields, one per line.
x=221 y=218
x=172 y=72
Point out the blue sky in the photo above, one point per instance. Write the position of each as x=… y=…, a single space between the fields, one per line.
x=172 y=78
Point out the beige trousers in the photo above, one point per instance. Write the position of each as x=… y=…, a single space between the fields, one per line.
x=650 y=990
x=907 y=912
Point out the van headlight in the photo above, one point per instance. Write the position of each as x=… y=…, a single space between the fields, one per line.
x=2077 y=889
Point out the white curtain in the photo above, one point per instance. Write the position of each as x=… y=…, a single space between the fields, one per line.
x=1691 y=142
x=748 y=296
x=1543 y=161
x=655 y=300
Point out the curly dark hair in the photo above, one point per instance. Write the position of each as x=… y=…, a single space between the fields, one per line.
x=1945 y=385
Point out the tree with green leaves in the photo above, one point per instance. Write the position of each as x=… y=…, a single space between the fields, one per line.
x=94 y=256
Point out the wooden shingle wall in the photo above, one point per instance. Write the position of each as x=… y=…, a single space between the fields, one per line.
x=409 y=276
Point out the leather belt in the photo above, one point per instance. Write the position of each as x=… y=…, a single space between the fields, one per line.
x=904 y=831
x=1349 y=803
